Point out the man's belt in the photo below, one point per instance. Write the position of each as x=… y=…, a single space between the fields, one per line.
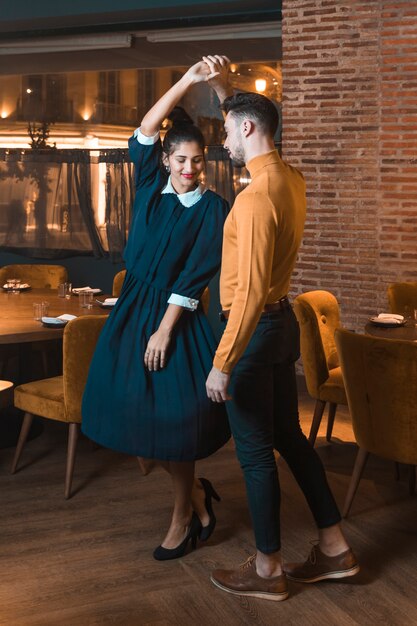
x=283 y=303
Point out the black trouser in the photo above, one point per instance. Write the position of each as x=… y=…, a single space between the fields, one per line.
x=263 y=415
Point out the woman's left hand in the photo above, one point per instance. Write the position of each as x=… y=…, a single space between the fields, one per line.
x=155 y=353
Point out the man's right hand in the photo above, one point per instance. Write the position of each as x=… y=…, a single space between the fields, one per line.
x=219 y=69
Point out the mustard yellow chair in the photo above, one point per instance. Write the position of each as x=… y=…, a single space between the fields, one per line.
x=38 y=276
x=59 y=398
x=381 y=386
x=318 y=316
x=402 y=298
x=118 y=283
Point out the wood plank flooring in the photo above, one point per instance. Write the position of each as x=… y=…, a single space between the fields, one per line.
x=88 y=561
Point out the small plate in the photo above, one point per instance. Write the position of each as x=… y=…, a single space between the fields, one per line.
x=377 y=321
x=53 y=322
x=24 y=287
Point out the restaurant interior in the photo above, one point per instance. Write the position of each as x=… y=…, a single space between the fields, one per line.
x=79 y=521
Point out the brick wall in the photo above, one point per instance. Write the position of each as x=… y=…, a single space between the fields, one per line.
x=350 y=125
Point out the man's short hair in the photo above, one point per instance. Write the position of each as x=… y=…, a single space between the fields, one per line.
x=255 y=107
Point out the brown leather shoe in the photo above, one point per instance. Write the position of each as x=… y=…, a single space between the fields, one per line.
x=319 y=566
x=245 y=581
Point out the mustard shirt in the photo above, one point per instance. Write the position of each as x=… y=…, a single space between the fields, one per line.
x=262 y=234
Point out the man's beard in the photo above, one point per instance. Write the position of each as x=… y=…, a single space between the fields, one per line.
x=236 y=162
x=238 y=157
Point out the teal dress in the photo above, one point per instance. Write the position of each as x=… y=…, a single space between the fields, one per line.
x=172 y=249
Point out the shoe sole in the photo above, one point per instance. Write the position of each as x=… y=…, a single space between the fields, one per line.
x=327 y=576
x=275 y=597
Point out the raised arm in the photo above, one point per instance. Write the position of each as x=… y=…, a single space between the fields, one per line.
x=197 y=73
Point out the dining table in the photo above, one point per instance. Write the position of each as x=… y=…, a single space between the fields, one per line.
x=19 y=328
x=405 y=332
x=17 y=323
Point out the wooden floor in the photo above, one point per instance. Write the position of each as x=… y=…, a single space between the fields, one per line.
x=88 y=561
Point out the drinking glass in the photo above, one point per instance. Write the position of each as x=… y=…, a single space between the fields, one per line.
x=16 y=285
x=64 y=290
x=86 y=299
x=40 y=310
x=10 y=283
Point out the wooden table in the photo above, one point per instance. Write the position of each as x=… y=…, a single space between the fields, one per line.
x=18 y=327
x=408 y=332
x=16 y=315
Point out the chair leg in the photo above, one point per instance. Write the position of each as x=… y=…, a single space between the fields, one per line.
x=358 y=468
x=330 y=420
x=315 y=424
x=24 y=432
x=73 y=431
x=145 y=465
x=412 y=479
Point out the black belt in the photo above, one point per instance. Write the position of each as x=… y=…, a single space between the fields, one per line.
x=283 y=303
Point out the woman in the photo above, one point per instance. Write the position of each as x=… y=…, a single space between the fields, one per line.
x=145 y=393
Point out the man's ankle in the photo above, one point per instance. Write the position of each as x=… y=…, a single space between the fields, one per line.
x=268 y=565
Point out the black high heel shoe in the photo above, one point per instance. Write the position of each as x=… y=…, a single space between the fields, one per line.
x=165 y=554
x=206 y=531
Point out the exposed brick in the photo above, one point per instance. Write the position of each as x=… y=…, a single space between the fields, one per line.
x=350 y=125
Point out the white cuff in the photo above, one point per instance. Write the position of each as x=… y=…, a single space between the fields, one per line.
x=187 y=303
x=144 y=139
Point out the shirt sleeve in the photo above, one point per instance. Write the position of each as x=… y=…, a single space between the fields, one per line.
x=204 y=260
x=145 y=153
x=256 y=228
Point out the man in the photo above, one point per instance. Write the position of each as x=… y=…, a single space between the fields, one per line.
x=253 y=368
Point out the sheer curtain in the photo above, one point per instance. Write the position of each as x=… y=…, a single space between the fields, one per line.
x=60 y=203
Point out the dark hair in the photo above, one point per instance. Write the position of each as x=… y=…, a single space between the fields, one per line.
x=254 y=106
x=182 y=129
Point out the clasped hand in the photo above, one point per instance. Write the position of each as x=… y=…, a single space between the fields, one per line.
x=155 y=353
x=212 y=68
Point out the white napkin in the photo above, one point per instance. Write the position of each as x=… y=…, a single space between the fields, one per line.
x=66 y=317
x=390 y=318
x=110 y=301
x=79 y=289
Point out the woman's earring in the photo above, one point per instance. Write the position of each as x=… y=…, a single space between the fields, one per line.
x=167 y=169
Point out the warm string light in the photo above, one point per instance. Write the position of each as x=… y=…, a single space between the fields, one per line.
x=260 y=84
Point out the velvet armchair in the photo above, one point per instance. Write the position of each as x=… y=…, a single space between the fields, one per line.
x=59 y=398
x=381 y=385
x=38 y=276
x=318 y=315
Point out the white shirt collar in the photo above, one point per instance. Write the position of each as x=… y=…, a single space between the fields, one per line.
x=187 y=199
